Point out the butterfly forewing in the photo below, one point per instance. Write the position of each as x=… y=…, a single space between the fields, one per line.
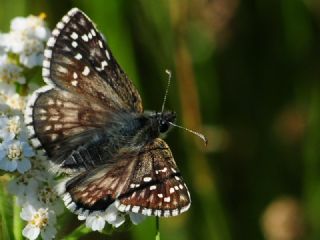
x=148 y=183
x=77 y=59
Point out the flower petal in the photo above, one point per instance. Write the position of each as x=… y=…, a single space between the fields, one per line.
x=23 y=165
x=136 y=218
x=31 y=232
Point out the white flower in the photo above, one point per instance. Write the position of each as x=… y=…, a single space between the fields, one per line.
x=96 y=221
x=32 y=26
x=24 y=187
x=7 y=89
x=113 y=216
x=14 y=155
x=136 y=218
x=12 y=102
x=11 y=128
x=26 y=39
x=40 y=221
x=10 y=72
x=48 y=197
x=33 y=53
x=12 y=42
x=16 y=102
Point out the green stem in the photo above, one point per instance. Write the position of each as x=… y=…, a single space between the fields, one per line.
x=17 y=222
x=157 y=228
x=4 y=216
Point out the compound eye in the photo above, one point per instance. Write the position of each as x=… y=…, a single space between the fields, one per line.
x=164 y=126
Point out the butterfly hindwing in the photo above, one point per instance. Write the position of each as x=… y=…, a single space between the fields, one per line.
x=148 y=183
x=78 y=60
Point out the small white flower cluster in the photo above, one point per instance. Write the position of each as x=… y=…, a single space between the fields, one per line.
x=97 y=220
x=32 y=185
x=40 y=203
x=20 y=50
x=26 y=39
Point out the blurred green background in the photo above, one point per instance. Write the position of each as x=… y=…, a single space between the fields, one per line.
x=247 y=75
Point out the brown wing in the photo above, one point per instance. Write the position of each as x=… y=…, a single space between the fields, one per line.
x=147 y=182
x=78 y=60
x=55 y=118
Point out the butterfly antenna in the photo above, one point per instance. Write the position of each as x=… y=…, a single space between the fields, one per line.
x=167 y=90
x=193 y=132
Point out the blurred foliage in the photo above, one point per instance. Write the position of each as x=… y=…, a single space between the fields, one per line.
x=247 y=75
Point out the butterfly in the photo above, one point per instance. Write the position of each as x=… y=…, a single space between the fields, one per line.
x=90 y=121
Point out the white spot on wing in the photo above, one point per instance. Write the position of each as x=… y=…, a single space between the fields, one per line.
x=55 y=32
x=175 y=212
x=74 y=83
x=62 y=69
x=107 y=54
x=45 y=72
x=100 y=44
x=85 y=38
x=46 y=64
x=48 y=53
x=74 y=35
x=78 y=56
x=166 y=213
x=74 y=44
x=47 y=128
x=135 y=209
x=35 y=142
x=157 y=213
x=60 y=25
x=147 y=179
x=128 y=208
x=86 y=71
x=51 y=42
x=66 y=19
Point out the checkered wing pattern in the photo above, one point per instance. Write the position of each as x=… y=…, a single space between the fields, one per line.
x=78 y=59
x=148 y=183
x=61 y=121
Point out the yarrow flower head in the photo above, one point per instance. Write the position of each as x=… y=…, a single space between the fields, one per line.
x=12 y=128
x=97 y=220
x=10 y=72
x=40 y=222
x=14 y=155
x=26 y=39
x=32 y=26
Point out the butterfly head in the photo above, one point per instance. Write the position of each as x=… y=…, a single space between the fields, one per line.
x=165 y=119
